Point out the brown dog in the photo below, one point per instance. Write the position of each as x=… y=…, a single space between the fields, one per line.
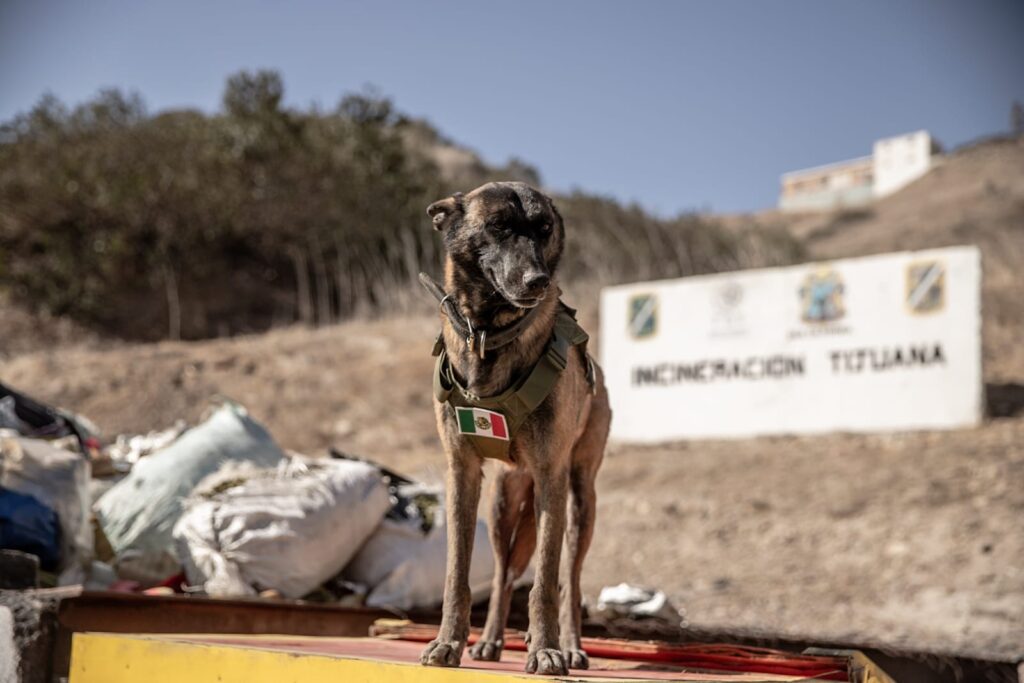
x=503 y=244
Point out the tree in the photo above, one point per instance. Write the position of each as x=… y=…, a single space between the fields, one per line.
x=253 y=94
x=368 y=107
x=183 y=224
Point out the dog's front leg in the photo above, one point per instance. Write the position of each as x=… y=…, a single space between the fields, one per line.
x=551 y=485
x=461 y=500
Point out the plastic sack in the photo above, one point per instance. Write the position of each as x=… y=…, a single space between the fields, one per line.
x=31 y=418
x=405 y=567
x=31 y=527
x=59 y=480
x=637 y=607
x=288 y=529
x=9 y=416
x=138 y=514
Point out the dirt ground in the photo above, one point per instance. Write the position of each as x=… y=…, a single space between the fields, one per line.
x=903 y=538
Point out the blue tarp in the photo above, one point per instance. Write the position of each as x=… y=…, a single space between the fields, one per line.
x=29 y=526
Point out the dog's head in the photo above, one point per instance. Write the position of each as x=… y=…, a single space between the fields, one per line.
x=507 y=233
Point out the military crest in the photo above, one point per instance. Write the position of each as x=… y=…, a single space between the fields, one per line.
x=926 y=287
x=643 y=316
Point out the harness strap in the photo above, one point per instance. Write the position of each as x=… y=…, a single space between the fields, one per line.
x=524 y=396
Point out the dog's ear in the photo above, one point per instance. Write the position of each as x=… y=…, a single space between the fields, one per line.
x=443 y=211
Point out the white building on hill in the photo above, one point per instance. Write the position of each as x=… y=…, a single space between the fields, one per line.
x=894 y=162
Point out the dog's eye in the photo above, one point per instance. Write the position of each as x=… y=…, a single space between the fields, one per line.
x=545 y=229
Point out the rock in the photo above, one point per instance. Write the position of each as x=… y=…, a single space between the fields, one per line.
x=28 y=627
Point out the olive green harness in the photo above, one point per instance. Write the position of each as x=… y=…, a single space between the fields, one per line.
x=525 y=394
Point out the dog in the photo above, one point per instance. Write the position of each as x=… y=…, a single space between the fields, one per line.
x=503 y=242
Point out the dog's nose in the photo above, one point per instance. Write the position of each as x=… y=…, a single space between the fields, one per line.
x=536 y=281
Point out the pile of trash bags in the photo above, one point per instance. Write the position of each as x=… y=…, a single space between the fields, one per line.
x=218 y=509
x=44 y=480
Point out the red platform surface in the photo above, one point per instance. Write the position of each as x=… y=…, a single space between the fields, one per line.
x=408 y=652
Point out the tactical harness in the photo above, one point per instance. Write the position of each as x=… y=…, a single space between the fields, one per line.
x=526 y=393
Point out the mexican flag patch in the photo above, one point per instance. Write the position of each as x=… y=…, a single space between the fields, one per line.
x=480 y=422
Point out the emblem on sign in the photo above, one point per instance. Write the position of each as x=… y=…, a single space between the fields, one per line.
x=728 y=296
x=926 y=287
x=727 y=315
x=821 y=296
x=643 y=316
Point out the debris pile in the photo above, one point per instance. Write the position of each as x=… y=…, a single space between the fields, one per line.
x=244 y=527
x=217 y=509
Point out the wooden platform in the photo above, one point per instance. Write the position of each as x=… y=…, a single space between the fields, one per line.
x=120 y=658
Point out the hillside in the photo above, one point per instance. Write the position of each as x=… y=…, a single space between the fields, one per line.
x=189 y=225
x=22 y=330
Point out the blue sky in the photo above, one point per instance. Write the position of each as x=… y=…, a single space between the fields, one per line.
x=676 y=105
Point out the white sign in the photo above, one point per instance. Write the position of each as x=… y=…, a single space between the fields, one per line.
x=886 y=342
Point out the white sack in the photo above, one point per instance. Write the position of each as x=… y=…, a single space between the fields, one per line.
x=139 y=513
x=405 y=568
x=289 y=528
x=60 y=480
x=130 y=449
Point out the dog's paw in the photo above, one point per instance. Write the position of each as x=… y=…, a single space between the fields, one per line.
x=576 y=658
x=487 y=650
x=546 y=662
x=442 y=653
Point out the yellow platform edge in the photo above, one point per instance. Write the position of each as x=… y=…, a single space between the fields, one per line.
x=121 y=658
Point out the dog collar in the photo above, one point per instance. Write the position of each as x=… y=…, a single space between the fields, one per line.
x=479 y=340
